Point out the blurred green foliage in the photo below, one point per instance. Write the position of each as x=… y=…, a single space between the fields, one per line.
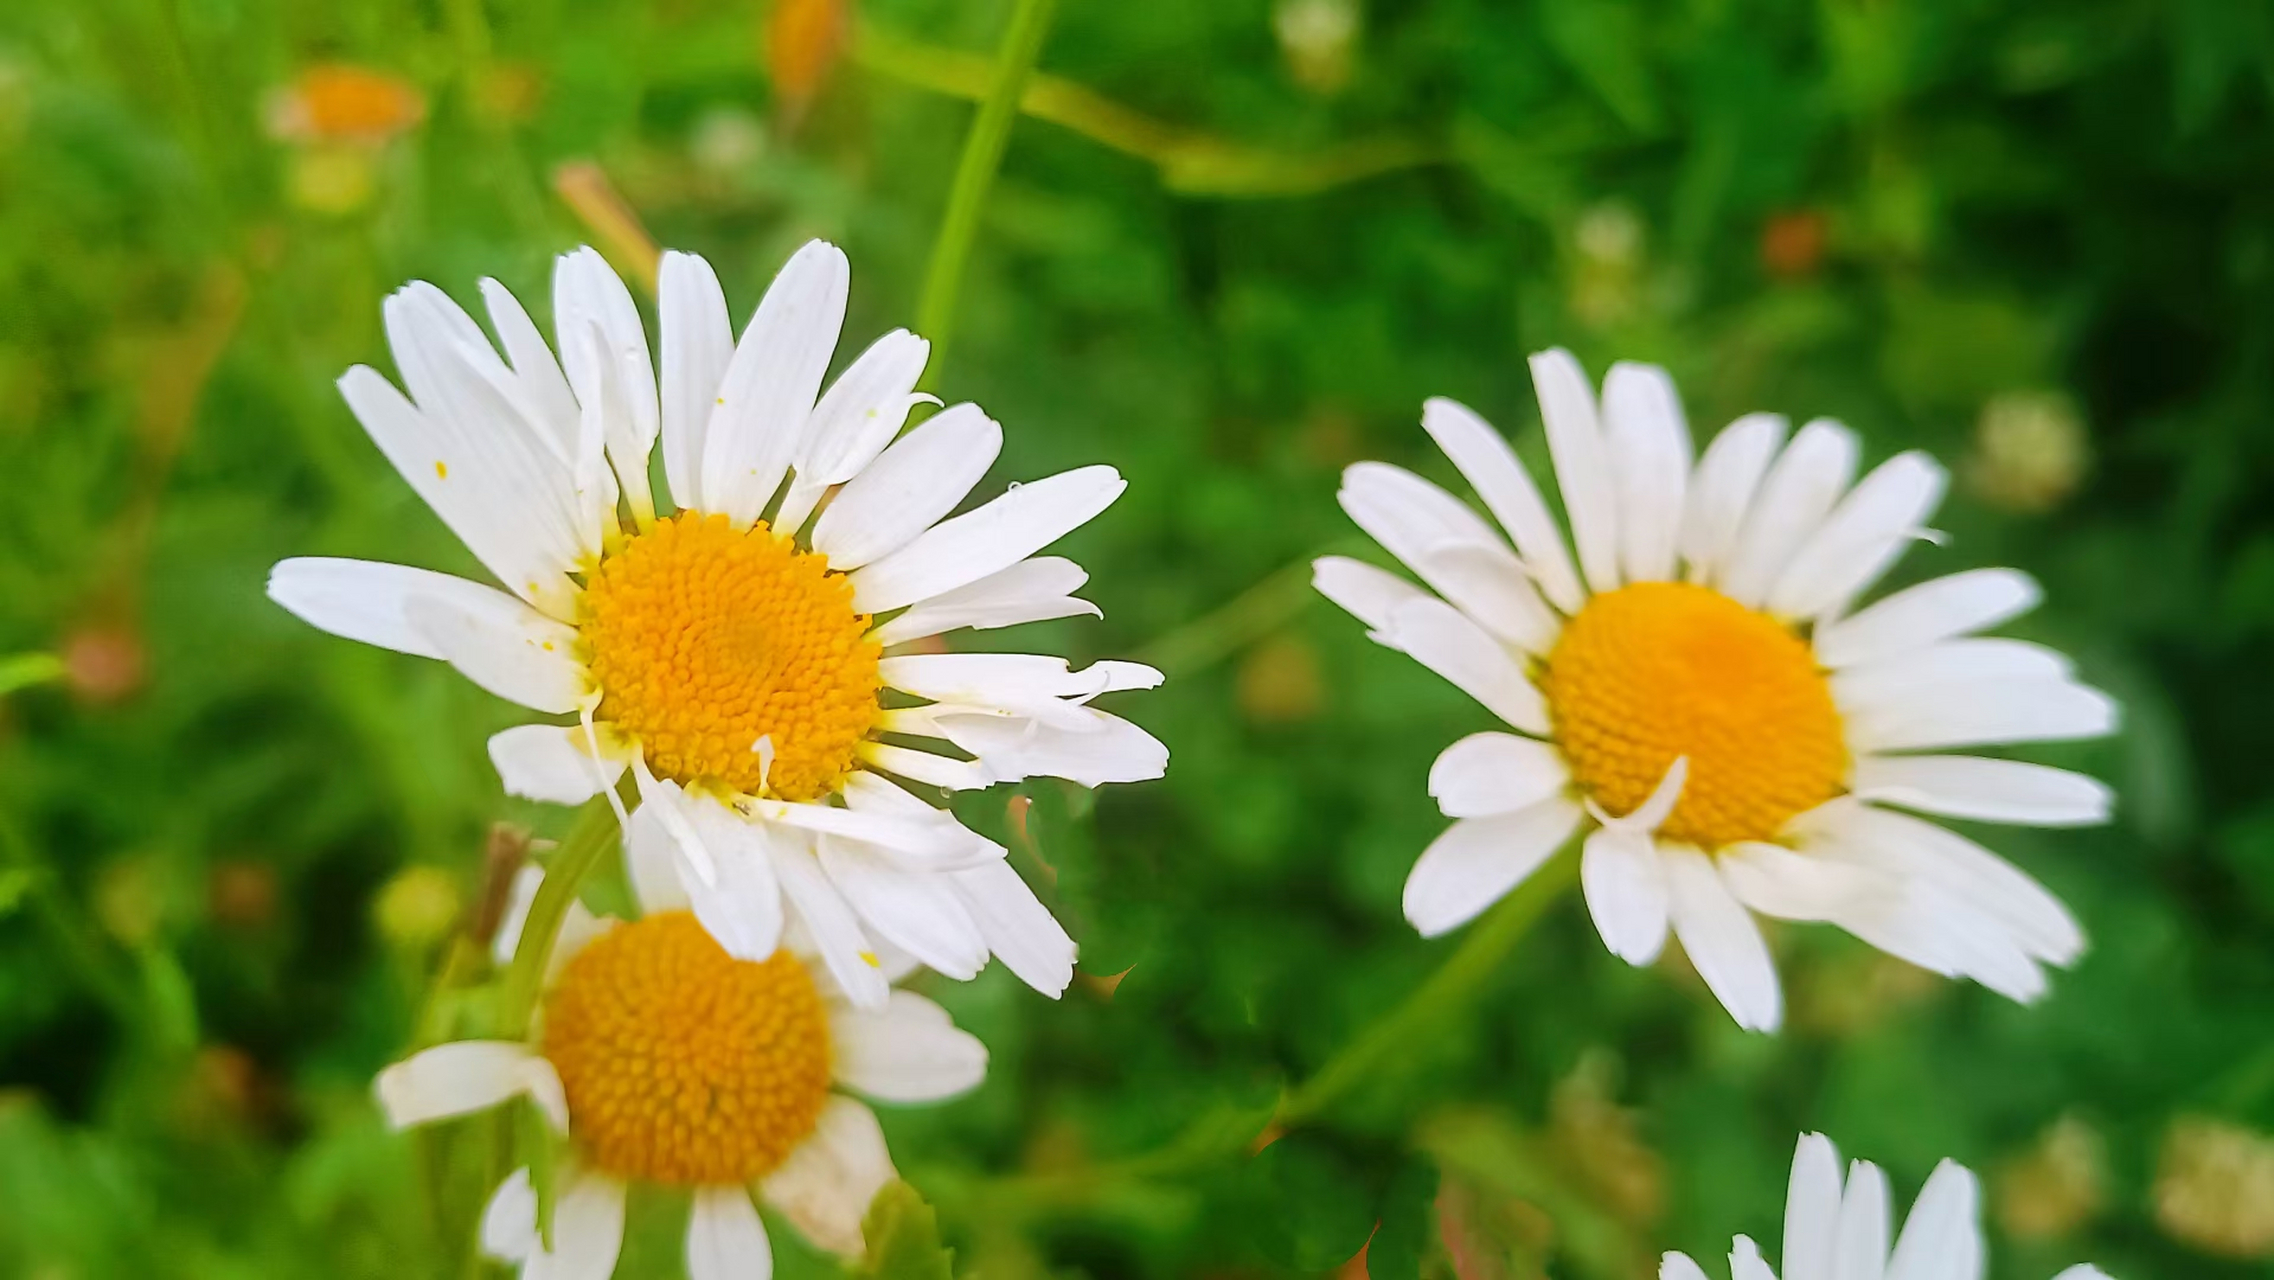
x=1245 y=244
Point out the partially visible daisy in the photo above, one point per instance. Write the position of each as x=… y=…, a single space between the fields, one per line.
x=1836 y=1232
x=668 y=1062
x=735 y=655
x=1700 y=696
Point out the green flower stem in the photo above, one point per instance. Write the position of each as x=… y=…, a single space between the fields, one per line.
x=588 y=841
x=23 y=670
x=1456 y=982
x=975 y=173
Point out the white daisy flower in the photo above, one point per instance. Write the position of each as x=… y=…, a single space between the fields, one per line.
x=667 y=1061
x=1696 y=695
x=734 y=654
x=1833 y=1232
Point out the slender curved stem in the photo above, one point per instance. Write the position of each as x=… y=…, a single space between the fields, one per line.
x=594 y=834
x=975 y=173
x=1448 y=990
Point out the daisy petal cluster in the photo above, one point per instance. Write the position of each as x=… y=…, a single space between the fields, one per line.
x=1694 y=684
x=733 y=643
x=1837 y=1229
x=668 y=1062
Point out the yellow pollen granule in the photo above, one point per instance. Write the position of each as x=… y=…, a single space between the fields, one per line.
x=705 y=638
x=684 y=1066
x=1660 y=670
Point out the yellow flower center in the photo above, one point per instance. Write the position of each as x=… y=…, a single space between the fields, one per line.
x=683 y=1065
x=1661 y=670
x=705 y=638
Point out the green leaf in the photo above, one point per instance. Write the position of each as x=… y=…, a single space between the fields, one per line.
x=16 y=884
x=903 y=1235
x=171 y=1001
x=1313 y=1208
x=1395 y=1251
x=22 y=670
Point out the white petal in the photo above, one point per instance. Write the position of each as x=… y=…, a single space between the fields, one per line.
x=2082 y=1271
x=906 y=1052
x=509 y=1220
x=945 y=772
x=1978 y=712
x=825 y=1186
x=740 y=905
x=930 y=836
x=1942 y=1238
x=1793 y=500
x=1775 y=881
x=1745 y=1261
x=1478 y=860
x=605 y=354
x=1899 y=682
x=363 y=599
x=1970 y=873
x=855 y=419
x=1488 y=773
x=1446 y=641
x=1104 y=749
x=1914 y=617
x=1015 y=681
x=758 y=422
x=1648 y=442
x=725 y=1239
x=1450 y=547
x=1722 y=490
x=1723 y=943
x=488 y=488
x=588 y=1232
x=546 y=391
x=1582 y=464
x=1626 y=893
x=1984 y=789
x=1499 y=478
x=1033 y=590
x=698 y=344
x=835 y=931
x=1368 y=594
x=520 y=655
x=652 y=860
x=1679 y=1266
x=909 y=488
x=1859 y=1241
x=1017 y=927
x=1861 y=538
x=578 y=928
x=916 y=910
x=1811 y=1209
x=468 y=1075
x=550 y=763
x=964 y=549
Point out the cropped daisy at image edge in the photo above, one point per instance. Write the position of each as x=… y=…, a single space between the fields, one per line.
x=1694 y=685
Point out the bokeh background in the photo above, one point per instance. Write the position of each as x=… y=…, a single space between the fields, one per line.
x=1233 y=247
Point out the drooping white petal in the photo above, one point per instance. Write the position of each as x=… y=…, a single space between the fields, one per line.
x=1478 y=860
x=1021 y=682
x=363 y=599
x=1722 y=490
x=740 y=903
x=1942 y=1238
x=1451 y=547
x=588 y=1232
x=1907 y=846
x=1095 y=749
x=1775 y=881
x=1723 y=943
x=550 y=763
x=1793 y=500
x=835 y=931
x=1865 y=534
x=1582 y=464
x=826 y=1184
x=966 y=548
x=1978 y=712
x=1626 y=893
x=1033 y=590
x=906 y=1052
x=519 y=655
x=1915 y=617
x=1985 y=790
x=1859 y=1239
x=1368 y=594
x=1648 y=442
x=1017 y=927
x=1679 y=1266
x=725 y=1238
x=929 y=768
x=466 y=1076
x=1446 y=641
x=909 y=488
x=509 y=1220
x=855 y=419
x=1746 y=1263
x=758 y=420
x=1488 y=773
x=578 y=929
x=931 y=835
x=916 y=910
x=652 y=861
x=698 y=343
x=1899 y=682
x=1500 y=479
x=1811 y=1209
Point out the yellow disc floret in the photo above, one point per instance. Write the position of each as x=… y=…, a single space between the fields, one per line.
x=683 y=1065
x=705 y=638
x=1660 y=670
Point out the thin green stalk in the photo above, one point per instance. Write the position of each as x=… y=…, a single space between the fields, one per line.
x=1451 y=988
x=975 y=173
x=590 y=840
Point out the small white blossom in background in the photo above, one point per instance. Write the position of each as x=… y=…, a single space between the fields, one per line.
x=1319 y=40
x=2214 y=1187
x=2031 y=451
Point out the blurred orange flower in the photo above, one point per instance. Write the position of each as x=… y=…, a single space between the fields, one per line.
x=340 y=102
